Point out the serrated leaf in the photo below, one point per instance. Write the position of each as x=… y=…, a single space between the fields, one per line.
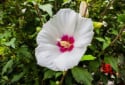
x=17 y=77
x=7 y=66
x=113 y=61
x=88 y=57
x=82 y=76
x=48 y=74
x=47 y=8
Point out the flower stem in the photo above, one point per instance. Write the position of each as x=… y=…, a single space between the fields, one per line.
x=63 y=77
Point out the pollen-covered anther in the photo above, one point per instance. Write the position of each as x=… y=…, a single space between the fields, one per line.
x=65 y=44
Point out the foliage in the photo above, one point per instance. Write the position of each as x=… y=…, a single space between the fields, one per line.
x=20 y=22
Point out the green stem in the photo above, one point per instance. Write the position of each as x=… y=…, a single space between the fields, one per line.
x=63 y=77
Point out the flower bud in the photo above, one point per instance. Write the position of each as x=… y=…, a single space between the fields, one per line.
x=38 y=29
x=83 y=9
x=97 y=25
x=57 y=82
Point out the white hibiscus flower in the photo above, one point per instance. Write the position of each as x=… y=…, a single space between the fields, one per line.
x=63 y=40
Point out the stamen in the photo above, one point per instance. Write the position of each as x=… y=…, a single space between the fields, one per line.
x=66 y=43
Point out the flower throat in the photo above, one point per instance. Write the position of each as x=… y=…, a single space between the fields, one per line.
x=66 y=43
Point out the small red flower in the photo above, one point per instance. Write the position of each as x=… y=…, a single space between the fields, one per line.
x=106 y=68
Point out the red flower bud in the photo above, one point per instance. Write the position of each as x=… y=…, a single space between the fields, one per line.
x=106 y=68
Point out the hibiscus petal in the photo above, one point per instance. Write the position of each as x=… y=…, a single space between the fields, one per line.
x=65 y=21
x=46 y=54
x=84 y=32
x=68 y=60
x=84 y=40
x=48 y=35
x=62 y=23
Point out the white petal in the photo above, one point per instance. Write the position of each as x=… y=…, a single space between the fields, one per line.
x=68 y=60
x=67 y=22
x=46 y=54
x=84 y=32
x=62 y=23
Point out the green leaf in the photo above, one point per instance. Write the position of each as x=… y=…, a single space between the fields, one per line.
x=82 y=76
x=47 y=8
x=68 y=79
x=93 y=66
x=11 y=43
x=17 y=77
x=2 y=49
x=121 y=18
x=106 y=43
x=7 y=34
x=53 y=83
x=48 y=74
x=88 y=57
x=7 y=66
x=100 y=39
x=113 y=61
x=23 y=51
x=66 y=1
x=58 y=74
x=5 y=78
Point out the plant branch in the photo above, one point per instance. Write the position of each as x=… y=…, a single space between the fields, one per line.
x=107 y=7
x=118 y=36
x=114 y=40
x=38 y=12
x=62 y=79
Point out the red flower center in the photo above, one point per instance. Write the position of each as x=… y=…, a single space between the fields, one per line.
x=66 y=43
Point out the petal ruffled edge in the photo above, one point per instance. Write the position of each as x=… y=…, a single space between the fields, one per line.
x=68 y=60
x=84 y=32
